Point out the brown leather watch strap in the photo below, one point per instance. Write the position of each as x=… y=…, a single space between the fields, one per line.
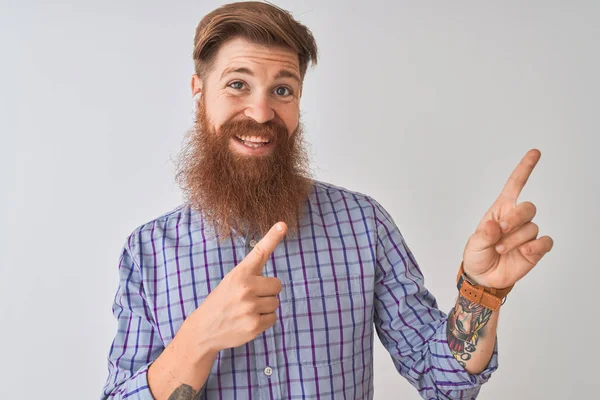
x=488 y=297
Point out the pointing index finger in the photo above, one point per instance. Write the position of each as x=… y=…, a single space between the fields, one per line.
x=256 y=259
x=517 y=180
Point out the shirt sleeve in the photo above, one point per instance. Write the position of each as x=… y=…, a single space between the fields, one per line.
x=410 y=325
x=137 y=343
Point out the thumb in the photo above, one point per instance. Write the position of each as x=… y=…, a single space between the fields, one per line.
x=256 y=259
x=486 y=237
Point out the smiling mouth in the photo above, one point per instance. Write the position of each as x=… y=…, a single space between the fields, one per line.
x=253 y=142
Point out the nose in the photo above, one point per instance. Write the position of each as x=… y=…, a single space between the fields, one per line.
x=260 y=110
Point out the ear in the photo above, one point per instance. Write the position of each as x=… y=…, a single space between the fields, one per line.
x=196 y=85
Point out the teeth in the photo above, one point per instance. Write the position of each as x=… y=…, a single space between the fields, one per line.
x=253 y=145
x=253 y=139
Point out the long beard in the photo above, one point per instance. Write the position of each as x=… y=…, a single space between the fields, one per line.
x=240 y=192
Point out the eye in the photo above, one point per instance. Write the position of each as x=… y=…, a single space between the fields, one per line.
x=283 y=91
x=237 y=85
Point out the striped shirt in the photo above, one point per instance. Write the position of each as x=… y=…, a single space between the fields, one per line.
x=347 y=274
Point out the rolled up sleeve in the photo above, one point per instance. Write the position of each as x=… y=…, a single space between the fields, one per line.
x=410 y=325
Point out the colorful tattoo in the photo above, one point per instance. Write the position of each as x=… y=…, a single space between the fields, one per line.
x=465 y=324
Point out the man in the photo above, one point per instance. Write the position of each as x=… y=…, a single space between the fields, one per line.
x=268 y=284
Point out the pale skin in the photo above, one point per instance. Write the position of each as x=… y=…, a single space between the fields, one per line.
x=251 y=81
x=503 y=249
x=264 y=83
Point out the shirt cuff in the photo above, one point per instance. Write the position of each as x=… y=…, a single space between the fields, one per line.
x=452 y=375
x=135 y=388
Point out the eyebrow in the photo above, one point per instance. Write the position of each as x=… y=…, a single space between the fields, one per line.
x=283 y=73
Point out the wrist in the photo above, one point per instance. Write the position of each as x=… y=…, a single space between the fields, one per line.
x=488 y=297
x=185 y=360
x=195 y=342
x=473 y=279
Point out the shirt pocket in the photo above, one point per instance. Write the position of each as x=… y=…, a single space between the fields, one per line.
x=324 y=319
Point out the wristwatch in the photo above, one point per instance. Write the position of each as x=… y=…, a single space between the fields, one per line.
x=488 y=297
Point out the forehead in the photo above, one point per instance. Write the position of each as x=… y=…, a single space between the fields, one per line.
x=240 y=51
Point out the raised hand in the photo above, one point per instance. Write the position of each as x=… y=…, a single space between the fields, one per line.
x=505 y=247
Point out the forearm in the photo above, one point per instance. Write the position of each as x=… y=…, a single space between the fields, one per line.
x=472 y=334
x=182 y=369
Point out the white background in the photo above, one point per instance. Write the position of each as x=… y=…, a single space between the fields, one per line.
x=426 y=106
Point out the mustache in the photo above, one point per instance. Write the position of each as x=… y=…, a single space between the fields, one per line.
x=271 y=130
x=238 y=192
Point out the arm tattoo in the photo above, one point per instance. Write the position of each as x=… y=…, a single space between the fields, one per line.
x=465 y=326
x=185 y=392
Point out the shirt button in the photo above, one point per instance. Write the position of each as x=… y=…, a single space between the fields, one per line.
x=268 y=371
x=252 y=243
